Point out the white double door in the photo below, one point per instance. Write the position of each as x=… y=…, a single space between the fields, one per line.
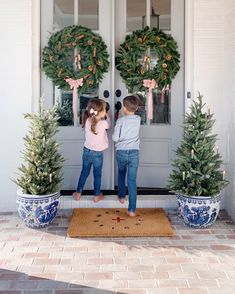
x=160 y=137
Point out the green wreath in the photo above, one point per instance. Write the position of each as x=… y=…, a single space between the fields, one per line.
x=135 y=64
x=89 y=63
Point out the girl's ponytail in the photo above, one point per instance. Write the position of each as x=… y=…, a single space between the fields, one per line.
x=93 y=124
x=85 y=116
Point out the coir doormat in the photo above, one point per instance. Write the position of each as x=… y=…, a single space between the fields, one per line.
x=114 y=222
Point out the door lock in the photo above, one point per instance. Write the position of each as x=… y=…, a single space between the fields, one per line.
x=118 y=93
x=106 y=94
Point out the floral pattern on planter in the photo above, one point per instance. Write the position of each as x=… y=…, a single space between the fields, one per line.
x=37 y=211
x=198 y=211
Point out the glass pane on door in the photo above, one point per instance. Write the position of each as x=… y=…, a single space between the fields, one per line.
x=161 y=14
x=63 y=14
x=161 y=107
x=88 y=13
x=136 y=10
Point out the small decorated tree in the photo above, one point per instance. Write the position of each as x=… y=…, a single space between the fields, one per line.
x=197 y=178
x=40 y=174
x=197 y=165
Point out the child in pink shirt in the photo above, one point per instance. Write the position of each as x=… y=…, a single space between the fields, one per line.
x=96 y=141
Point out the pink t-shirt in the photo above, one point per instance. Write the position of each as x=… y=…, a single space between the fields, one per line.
x=98 y=142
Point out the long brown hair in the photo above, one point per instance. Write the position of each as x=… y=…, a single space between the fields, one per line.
x=94 y=107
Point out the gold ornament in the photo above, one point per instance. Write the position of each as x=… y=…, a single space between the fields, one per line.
x=168 y=57
x=164 y=65
x=90 y=82
x=158 y=39
x=142 y=70
x=51 y=58
x=94 y=52
x=99 y=62
x=125 y=61
x=139 y=40
x=80 y=37
x=59 y=46
x=77 y=60
x=90 y=42
x=164 y=77
x=147 y=63
x=90 y=67
x=94 y=69
x=60 y=72
x=127 y=46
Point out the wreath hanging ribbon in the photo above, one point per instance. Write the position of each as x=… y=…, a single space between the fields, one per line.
x=150 y=84
x=75 y=84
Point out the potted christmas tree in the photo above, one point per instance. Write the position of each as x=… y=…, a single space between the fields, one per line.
x=40 y=175
x=197 y=178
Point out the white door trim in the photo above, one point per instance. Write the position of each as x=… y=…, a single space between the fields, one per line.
x=189 y=52
x=36 y=54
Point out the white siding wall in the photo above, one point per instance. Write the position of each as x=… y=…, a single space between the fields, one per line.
x=16 y=90
x=229 y=99
x=209 y=71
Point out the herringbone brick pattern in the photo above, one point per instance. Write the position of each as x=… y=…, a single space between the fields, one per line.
x=47 y=262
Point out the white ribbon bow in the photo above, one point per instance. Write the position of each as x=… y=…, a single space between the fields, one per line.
x=92 y=111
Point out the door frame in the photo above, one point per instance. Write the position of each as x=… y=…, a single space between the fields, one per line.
x=188 y=55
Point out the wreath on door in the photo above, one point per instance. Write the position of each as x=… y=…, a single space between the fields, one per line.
x=134 y=61
x=89 y=63
x=75 y=58
x=148 y=59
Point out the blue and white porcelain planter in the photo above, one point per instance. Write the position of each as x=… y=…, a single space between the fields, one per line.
x=37 y=211
x=198 y=211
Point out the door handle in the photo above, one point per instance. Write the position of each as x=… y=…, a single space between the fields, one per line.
x=118 y=107
x=106 y=94
x=118 y=93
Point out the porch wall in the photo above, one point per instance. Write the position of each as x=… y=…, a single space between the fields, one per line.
x=16 y=90
x=229 y=99
x=214 y=47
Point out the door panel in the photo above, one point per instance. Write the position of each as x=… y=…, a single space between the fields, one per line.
x=160 y=137
x=55 y=15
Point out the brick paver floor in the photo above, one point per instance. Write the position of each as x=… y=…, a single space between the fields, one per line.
x=46 y=261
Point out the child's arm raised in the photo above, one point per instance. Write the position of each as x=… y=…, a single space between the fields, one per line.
x=106 y=122
x=117 y=131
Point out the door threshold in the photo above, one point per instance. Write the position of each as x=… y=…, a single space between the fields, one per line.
x=140 y=191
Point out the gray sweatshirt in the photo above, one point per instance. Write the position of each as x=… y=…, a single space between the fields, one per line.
x=126 y=132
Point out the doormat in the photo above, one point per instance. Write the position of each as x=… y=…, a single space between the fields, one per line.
x=114 y=222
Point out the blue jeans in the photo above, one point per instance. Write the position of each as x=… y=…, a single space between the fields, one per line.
x=89 y=158
x=128 y=162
